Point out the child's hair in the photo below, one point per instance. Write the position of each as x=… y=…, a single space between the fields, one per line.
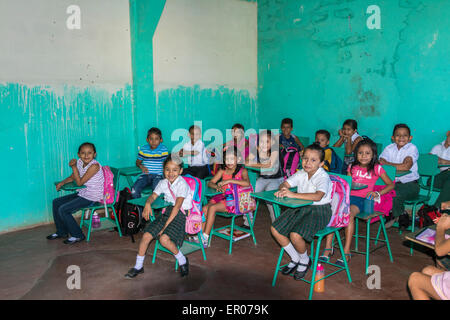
x=170 y=158
x=374 y=161
x=87 y=144
x=287 y=121
x=236 y=153
x=316 y=147
x=400 y=126
x=193 y=127
x=324 y=132
x=352 y=123
x=154 y=131
x=238 y=126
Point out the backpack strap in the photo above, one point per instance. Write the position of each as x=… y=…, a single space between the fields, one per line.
x=174 y=198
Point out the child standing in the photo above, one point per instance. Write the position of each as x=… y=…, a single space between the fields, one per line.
x=196 y=152
x=271 y=176
x=85 y=171
x=350 y=137
x=287 y=139
x=365 y=170
x=443 y=152
x=230 y=172
x=150 y=160
x=296 y=226
x=332 y=161
x=403 y=155
x=169 y=226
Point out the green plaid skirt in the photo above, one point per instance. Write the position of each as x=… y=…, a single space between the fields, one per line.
x=305 y=221
x=175 y=230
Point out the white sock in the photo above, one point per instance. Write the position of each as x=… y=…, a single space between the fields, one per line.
x=292 y=253
x=180 y=257
x=303 y=259
x=139 y=262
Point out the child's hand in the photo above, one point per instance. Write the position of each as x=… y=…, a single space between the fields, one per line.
x=372 y=195
x=283 y=192
x=144 y=169
x=59 y=186
x=147 y=212
x=341 y=133
x=72 y=162
x=444 y=222
x=222 y=183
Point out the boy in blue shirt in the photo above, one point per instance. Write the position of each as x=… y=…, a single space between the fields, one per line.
x=150 y=160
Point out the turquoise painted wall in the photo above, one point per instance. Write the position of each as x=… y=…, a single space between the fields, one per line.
x=178 y=106
x=319 y=64
x=40 y=131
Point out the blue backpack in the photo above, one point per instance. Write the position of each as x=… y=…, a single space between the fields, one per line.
x=336 y=164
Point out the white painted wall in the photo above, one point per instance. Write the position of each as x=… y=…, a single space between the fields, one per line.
x=207 y=43
x=36 y=46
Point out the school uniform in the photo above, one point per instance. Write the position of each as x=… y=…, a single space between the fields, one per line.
x=350 y=158
x=176 y=229
x=406 y=187
x=198 y=164
x=444 y=153
x=308 y=220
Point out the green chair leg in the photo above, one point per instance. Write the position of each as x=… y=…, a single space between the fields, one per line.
x=231 y=234
x=277 y=267
x=378 y=233
x=386 y=239
x=117 y=222
x=314 y=266
x=412 y=228
x=341 y=249
x=367 y=245
x=356 y=233
x=90 y=226
x=154 y=251
x=251 y=227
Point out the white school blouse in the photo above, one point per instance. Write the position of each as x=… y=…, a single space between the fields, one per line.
x=392 y=154
x=320 y=181
x=200 y=159
x=179 y=187
x=442 y=152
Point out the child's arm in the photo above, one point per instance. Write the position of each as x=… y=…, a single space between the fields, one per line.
x=173 y=214
x=270 y=164
x=442 y=245
x=213 y=182
x=245 y=182
x=63 y=182
x=389 y=186
x=316 y=196
x=141 y=166
x=89 y=173
x=341 y=139
x=404 y=166
x=148 y=206
x=349 y=146
x=300 y=144
x=443 y=161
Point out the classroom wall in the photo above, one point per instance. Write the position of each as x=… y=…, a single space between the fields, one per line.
x=320 y=64
x=194 y=60
x=59 y=88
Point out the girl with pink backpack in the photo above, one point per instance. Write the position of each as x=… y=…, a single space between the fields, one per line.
x=365 y=170
x=231 y=172
x=170 y=225
x=86 y=171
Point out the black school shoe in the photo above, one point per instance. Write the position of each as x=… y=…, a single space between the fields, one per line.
x=184 y=269
x=132 y=273
x=298 y=275
x=68 y=241
x=54 y=236
x=286 y=270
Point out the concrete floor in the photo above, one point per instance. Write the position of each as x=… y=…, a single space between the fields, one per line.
x=35 y=268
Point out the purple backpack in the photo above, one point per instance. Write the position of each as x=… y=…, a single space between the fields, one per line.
x=289 y=161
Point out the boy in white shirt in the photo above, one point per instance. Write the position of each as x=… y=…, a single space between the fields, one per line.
x=442 y=180
x=403 y=155
x=196 y=152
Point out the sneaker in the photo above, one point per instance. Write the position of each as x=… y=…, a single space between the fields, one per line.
x=73 y=240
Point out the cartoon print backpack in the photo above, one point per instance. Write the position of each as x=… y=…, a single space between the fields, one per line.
x=340 y=202
x=193 y=216
x=108 y=186
x=289 y=161
x=238 y=199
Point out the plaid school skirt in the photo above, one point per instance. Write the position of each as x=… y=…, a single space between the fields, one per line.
x=305 y=221
x=175 y=230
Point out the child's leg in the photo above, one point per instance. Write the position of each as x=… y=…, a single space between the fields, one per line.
x=139 y=185
x=404 y=191
x=144 y=243
x=421 y=288
x=61 y=229
x=350 y=229
x=66 y=210
x=328 y=245
x=300 y=245
x=211 y=216
x=288 y=247
x=170 y=245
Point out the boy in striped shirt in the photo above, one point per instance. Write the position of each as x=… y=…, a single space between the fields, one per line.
x=150 y=160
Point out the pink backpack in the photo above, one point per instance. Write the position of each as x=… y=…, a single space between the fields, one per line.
x=385 y=205
x=238 y=199
x=340 y=202
x=108 y=186
x=194 y=216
